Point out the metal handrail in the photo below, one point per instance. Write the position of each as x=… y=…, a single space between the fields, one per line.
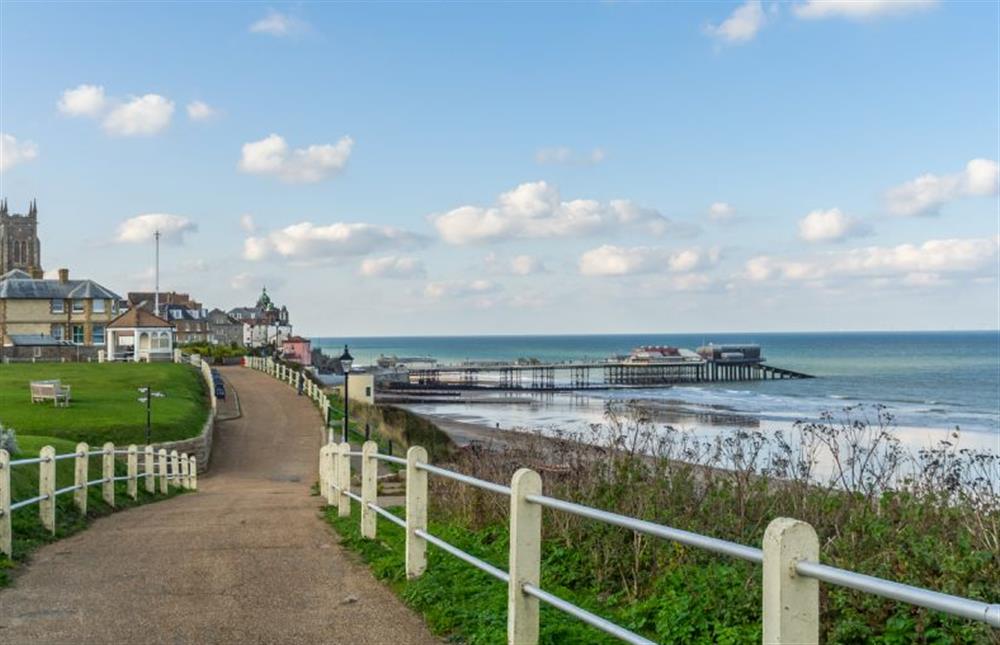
x=387 y=515
x=658 y=530
x=955 y=605
x=593 y=620
x=390 y=458
x=67 y=489
x=482 y=565
x=466 y=479
x=27 y=502
x=29 y=460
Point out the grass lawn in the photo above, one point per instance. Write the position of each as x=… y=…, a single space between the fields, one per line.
x=28 y=532
x=105 y=404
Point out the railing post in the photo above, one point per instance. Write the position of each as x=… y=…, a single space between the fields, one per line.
x=525 y=558
x=324 y=486
x=416 y=512
x=47 y=487
x=330 y=474
x=791 y=601
x=369 y=488
x=193 y=472
x=108 y=473
x=81 y=474
x=5 y=537
x=163 y=471
x=149 y=469
x=185 y=484
x=175 y=468
x=344 y=480
x=133 y=472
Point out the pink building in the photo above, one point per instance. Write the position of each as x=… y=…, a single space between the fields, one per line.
x=298 y=349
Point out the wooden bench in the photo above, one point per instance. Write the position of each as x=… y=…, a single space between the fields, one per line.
x=54 y=391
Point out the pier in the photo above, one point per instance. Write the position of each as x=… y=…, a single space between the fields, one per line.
x=585 y=376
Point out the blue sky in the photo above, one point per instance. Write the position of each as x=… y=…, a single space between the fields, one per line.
x=519 y=168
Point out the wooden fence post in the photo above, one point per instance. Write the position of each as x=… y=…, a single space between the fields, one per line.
x=525 y=558
x=149 y=470
x=324 y=486
x=416 y=512
x=5 y=537
x=185 y=462
x=369 y=488
x=108 y=473
x=193 y=472
x=791 y=601
x=175 y=468
x=133 y=471
x=47 y=487
x=163 y=471
x=81 y=475
x=344 y=480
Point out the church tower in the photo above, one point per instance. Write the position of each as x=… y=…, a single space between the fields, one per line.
x=19 y=245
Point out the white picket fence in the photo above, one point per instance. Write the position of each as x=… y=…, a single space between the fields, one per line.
x=171 y=468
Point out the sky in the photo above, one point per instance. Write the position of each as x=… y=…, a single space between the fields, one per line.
x=509 y=168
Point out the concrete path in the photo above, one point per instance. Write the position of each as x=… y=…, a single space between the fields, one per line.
x=246 y=559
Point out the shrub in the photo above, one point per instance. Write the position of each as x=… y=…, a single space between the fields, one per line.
x=8 y=440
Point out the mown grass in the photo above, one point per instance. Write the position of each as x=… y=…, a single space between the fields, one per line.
x=105 y=405
x=26 y=526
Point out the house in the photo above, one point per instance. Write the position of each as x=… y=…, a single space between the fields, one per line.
x=264 y=323
x=76 y=311
x=297 y=349
x=223 y=329
x=191 y=325
x=138 y=335
x=168 y=300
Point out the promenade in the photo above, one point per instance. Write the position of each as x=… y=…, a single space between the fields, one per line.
x=245 y=559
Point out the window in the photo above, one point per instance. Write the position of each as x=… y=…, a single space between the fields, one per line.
x=78 y=334
x=97 y=334
x=57 y=332
x=97 y=306
x=78 y=306
x=57 y=306
x=368 y=391
x=161 y=341
x=37 y=352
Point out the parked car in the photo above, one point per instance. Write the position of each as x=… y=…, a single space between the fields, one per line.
x=220 y=391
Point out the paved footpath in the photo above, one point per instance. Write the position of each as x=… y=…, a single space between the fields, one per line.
x=245 y=559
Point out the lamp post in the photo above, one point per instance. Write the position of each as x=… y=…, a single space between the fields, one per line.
x=346 y=360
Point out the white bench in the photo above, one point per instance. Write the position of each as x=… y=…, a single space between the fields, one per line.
x=54 y=391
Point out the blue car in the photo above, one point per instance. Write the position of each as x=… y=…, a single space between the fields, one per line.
x=220 y=391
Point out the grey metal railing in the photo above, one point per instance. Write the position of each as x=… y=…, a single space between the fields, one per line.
x=794 y=617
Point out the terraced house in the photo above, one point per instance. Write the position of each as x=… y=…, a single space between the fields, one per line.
x=37 y=313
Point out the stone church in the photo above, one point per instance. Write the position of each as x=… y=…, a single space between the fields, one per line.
x=19 y=245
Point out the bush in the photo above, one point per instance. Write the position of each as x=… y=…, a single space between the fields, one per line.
x=8 y=440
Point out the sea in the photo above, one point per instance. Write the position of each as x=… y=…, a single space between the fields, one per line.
x=931 y=382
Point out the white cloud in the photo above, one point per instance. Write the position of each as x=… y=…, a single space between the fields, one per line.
x=926 y=194
x=392 y=267
x=14 y=152
x=459 y=288
x=278 y=24
x=858 y=9
x=142 y=115
x=271 y=156
x=569 y=156
x=305 y=241
x=83 y=100
x=247 y=223
x=536 y=210
x=200 y=111
x=742 y=25
x=141 y=228
x=913 y=262
x=609 y=260
x=526 y=265
x=829 y=226
x=721 y=212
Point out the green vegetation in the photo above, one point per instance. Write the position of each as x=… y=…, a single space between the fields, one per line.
x=931 y=519
x=105 y=401
x=29 y=534
x=401 y=427
x=214 y=352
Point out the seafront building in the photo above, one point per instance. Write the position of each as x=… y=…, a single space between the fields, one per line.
x=39 y=318
x=263 y=324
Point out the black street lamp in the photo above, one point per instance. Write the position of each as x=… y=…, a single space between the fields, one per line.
x=346 y=360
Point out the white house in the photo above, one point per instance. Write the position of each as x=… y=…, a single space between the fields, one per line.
x=138 y=335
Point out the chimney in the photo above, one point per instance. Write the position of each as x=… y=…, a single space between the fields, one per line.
x=36 y=273
x=63 y=276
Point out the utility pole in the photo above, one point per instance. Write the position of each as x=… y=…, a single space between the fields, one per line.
x=156 y=293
